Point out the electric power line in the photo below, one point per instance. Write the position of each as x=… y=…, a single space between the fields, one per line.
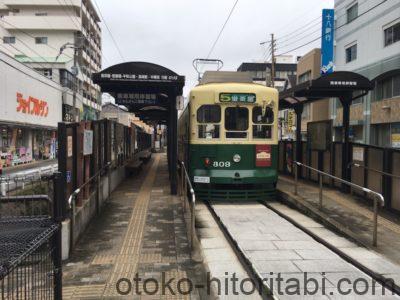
x=222 y=29
x=109 y=31
x=31 y=36
x=314 y=40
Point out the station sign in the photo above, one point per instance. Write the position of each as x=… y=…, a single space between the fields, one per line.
x=237 y=98
x=136 y=98
x=327 y=41
x=137 y=77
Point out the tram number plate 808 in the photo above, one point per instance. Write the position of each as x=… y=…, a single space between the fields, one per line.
x=221 y=164
x=201 y=179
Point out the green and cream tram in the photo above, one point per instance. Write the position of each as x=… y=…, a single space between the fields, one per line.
x=228 y=136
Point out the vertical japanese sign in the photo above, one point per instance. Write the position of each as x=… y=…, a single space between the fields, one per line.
x=327 y=39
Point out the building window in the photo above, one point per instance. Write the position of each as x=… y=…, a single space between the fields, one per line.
x=9 y=39
x=41 y=14
x=352 y=13
x=392 y=34
x=41 y=40
x=305 y=77
x=306 y=112
x=387 y=88
x=46 y=72
x=351 y=53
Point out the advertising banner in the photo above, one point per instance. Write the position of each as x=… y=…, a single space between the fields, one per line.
x=327 y=41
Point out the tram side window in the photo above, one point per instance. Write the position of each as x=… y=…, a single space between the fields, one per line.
x=236 y=122
x=260 y=130
x=209 y=114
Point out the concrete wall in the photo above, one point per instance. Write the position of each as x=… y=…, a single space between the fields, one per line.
x=85 y=214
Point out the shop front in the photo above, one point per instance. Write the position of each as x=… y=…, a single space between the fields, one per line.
x=31 y=107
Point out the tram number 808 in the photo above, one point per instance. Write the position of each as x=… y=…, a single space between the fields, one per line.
x=221 y=164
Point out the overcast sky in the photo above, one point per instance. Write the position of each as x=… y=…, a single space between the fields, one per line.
x=174 y=32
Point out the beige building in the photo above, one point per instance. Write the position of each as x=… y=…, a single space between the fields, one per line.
x=308 y=68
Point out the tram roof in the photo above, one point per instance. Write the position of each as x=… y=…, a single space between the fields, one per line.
x=234 y=87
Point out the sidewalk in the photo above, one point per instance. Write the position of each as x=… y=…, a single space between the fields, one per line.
x=141 y=232
x=353 y=216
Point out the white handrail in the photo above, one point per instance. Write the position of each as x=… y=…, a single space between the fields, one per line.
x=377 y=197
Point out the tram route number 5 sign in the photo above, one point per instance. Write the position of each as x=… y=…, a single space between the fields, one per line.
x=87 y=142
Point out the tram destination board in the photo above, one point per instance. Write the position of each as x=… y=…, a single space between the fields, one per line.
x=237 y=98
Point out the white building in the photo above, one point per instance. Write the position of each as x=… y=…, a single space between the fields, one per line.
x=34 y=31
x=31 y=107
x=368 y=42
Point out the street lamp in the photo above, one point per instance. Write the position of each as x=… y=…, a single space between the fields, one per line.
x=75 y=72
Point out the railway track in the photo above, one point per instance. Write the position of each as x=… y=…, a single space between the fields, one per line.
x=287 y=261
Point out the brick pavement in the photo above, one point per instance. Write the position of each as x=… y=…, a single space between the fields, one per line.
x=140 y=231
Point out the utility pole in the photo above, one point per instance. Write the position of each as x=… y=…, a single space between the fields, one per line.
x=75 y=86
x=272 y=60
x=74 y=72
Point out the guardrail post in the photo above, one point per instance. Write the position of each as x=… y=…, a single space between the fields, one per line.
x=193 y=220
x=296 y=179
x=57 y=217
x=98 y=193
x=320 y=190
x=375 y=232
x=109 y=181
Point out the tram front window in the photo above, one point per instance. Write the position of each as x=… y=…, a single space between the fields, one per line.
x=208 y=114
x=261 y=131
x=236 y=122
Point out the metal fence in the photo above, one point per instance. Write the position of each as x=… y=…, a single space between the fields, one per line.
x=372 y=167
x=112 y=143
x=30 y=240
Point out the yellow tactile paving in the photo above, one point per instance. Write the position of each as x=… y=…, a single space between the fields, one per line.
x=127 y=260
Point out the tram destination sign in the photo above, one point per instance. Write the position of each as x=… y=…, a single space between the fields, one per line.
x=237 y=98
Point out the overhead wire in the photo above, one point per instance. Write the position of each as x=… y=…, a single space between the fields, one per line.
x=344 y=24
x=109 y=31
x=222 y=29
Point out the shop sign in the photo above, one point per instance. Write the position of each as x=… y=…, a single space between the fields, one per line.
x=87 y=142
x=290 y=121
x=69 y=146
x=358 y=154
x=396 y=140
x=32 y=106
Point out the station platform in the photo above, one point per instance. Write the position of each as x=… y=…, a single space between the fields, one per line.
x=140 y=232
x=353 y=217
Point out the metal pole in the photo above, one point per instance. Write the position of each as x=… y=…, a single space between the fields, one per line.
x=375 y=233
x=98 y=194
x=109 y=181
x=296 y=179
x=272 y=60
x=193 y=219
x=320 y=190
x=57 y=217
x=75 y=86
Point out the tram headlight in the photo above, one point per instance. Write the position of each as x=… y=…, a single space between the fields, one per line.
x=236 y=158
x=207 y=162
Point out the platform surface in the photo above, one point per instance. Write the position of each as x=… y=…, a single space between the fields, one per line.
x=141 y=232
